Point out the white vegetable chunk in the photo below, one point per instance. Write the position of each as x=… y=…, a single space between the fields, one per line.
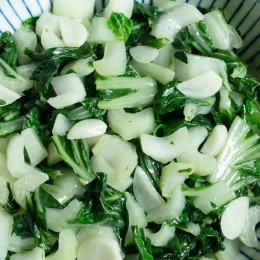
x=87 y=128
x=93 y=231
x=68 y=246
x=6 y=227
x=197 y=65
x=49 y=39
x=35 y=254
x=26 y=70
x=234 y=217
x=204 y=85
x=14 y=84
x=78 y=9
x=170 y=210
x=204 y=164
x=73 y=33
x=69 y=89
x=53 y=155
x=91 y=249
x=157 y=72
x=120 y=6
x=231 y=250
x=64 y=186
x=174 y=174
x=131 y=125
x=25 y=38
x=15 y=158
x=223 y=35
x=164 y=4
x=100 y=164
x=57 y=218
x=216 y=141
x=145 y=193
x=164 y=56
x=50 y=20
x=99 y=32
x=27 y=183
x=169 y=23
x=165 y=149
x=219 y=194
x=248 y=235
x=114 y=61
x=18 y=244
x=162 y=237
x=81 y=66
x=118 y=153
x=61 y=125
x=34 y=146
x=136 y=217
x=4 y=191
x=143 y=54
x=7 y=96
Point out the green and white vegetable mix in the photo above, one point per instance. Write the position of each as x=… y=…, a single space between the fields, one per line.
x=130 y=134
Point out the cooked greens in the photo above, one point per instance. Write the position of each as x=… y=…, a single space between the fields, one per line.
x=132 y=134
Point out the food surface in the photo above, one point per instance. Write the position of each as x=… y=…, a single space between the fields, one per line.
x=128 y=133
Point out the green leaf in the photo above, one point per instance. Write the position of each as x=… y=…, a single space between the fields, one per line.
x=74 y=153
x=250 y=167
x=120 y=25
x=143 y=243
x=109 y=94
x=91 y=104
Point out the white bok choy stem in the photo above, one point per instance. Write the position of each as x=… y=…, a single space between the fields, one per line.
x=61 y=125
x=162 y=237
x=114 y=60
x=120 y=6
x=8 y=96
x=66 y=95
x=49 y=39
x=49 y=20
x=165 y=149
x=174 y=174
x=202 y=86
x=78 y=9
x=19 y=244
x=35 y=254
x=216 y=141
x=142 y=91
x=197 y=65
x=248 y=235
x=15 y=158
x=170 y=210
x=157 y=72
x=68 y=246
x=57 y=218
x=26 y=184
x=223 y=35
x=90 y=249
x=131 y=125
x=99 y=33
x=34 y=146
x=219 y=194
x=73 y=33
x=164 y=4
x=95 y=230
x=87 y=128
x=136 y=217
x=4 y=195
x=6 y=227
x=233 y=219
x=143 y=54
x=145 y=193
x=120 y=154
x=204 y=164
x=100 y=164
x=170 y=22
x=25 y=38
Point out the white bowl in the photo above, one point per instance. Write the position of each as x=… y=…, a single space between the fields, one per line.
x=244 y=15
